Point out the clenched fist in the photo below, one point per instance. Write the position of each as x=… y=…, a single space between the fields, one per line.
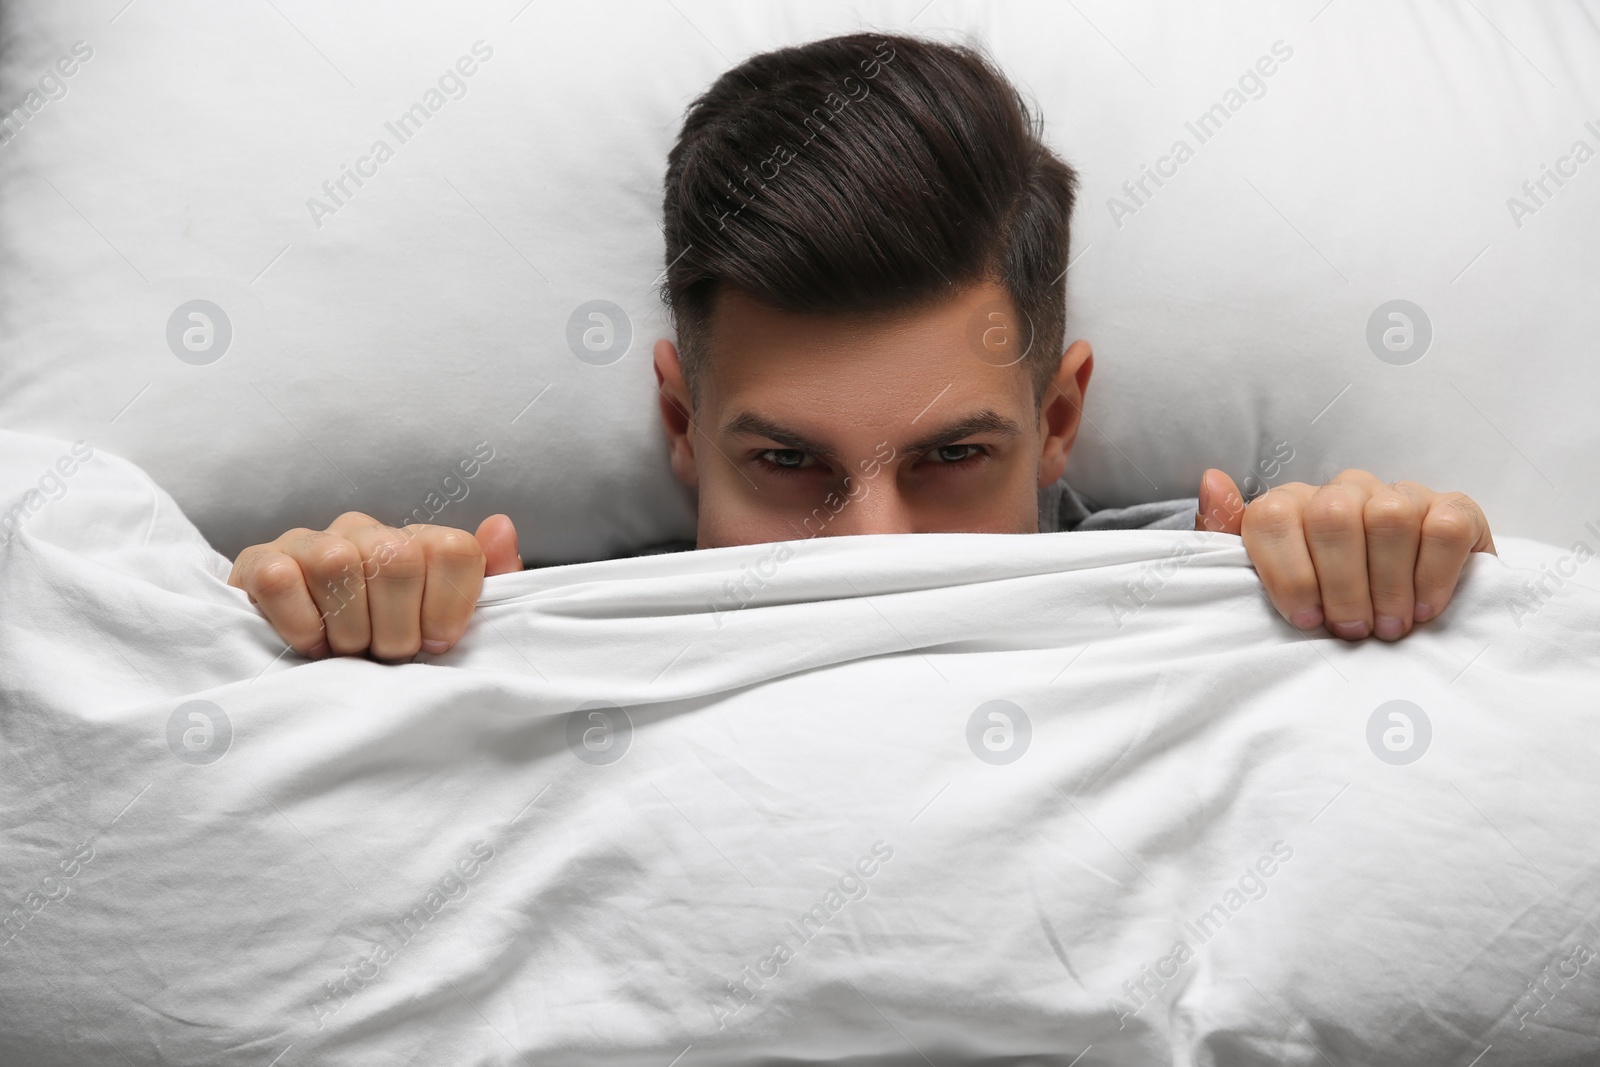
x=1357 y=554
x=360 y=586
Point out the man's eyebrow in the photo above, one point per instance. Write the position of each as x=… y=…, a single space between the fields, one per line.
x=986 y=421
x=978 y=422
x=747 y=422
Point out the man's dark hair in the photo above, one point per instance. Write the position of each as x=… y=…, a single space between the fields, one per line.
x=868 y=172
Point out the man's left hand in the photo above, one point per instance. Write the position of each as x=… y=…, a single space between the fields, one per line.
x=1360 y=555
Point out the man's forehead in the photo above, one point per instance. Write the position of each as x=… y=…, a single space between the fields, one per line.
x=904 y=358
x=735 y=315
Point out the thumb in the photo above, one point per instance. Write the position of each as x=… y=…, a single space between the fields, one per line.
x=1221 y=504
x=498 y=536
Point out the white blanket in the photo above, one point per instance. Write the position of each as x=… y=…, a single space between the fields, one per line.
x=1068 y=798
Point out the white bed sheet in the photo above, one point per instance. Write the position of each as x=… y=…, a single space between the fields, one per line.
x=1195 y=857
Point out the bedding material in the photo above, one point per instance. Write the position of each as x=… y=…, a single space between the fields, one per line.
x=1059 y=799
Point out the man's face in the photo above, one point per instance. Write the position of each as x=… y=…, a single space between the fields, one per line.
x=905 y=422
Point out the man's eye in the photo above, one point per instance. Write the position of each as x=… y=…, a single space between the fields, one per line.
x=787 y=458
x=957 y=453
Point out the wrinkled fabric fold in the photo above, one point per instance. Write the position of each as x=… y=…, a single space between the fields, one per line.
x=848 y=800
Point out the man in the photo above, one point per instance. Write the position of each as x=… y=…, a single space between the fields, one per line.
x=866 y=246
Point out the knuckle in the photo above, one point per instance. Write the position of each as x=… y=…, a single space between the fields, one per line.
x=245 y=564
x=1391 y=512
x=396 y=557
x=333 y=558
x=455 y=548
x=1451 y=524
x=1331 y=512
x=355 y=518
x=1273 y=512
x=274 y=578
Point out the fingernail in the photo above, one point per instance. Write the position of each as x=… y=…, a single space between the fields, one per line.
x=433 y=648
x=1350 y=631
x=1307 y=619
x=1422 y=612
x=1389 y=627
x=319 y=650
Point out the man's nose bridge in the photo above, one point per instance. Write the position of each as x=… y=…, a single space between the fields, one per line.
x=873 y=505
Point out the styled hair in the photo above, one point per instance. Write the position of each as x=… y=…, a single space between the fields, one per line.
x=866 y=173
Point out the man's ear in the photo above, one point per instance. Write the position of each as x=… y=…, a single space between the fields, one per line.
x=1061 y=410
x=677 y=412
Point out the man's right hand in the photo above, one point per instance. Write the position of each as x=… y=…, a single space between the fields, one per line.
x=360 y=586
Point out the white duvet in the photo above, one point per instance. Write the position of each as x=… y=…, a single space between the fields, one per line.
x=1067 y=799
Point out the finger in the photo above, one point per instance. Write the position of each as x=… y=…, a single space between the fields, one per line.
x=1453 y=528
x=332 y=569
x=455 y=569
x=1393 y=518
x=1336 y=537
x=1222 y=506
x=498 y=536
x=276 y=585
x=395 y=571
x=1276 y=542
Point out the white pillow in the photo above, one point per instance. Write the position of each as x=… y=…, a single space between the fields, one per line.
x=402 y=327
